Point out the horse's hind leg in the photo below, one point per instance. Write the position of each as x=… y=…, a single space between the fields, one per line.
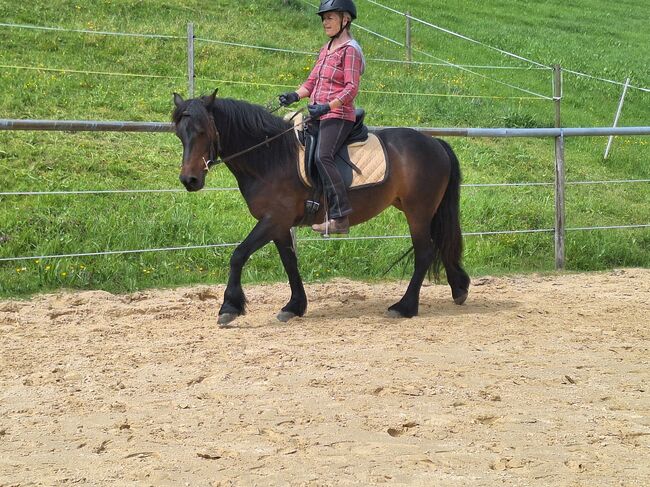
x=408 y=306
x=297 y=305
x=448 y=238
x=458 y=281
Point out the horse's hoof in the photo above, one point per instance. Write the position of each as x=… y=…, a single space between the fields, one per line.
x=460 y=299
x=226 y=318
x=394 y=314
x=285 y=316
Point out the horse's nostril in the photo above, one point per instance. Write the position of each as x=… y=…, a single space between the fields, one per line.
x=190 y=182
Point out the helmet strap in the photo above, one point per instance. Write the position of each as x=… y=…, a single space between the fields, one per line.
x=338 y=34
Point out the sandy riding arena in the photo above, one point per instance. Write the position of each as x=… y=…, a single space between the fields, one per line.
x=537 y=380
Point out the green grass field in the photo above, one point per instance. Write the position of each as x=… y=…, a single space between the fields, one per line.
x=62 y=75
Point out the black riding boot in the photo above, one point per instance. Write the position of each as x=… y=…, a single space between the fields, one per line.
x=332 y=135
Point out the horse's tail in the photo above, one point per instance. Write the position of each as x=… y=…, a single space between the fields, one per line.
x=445 y=224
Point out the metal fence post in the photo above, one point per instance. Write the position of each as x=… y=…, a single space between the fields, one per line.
x=190 y=59
x=618 y=115
x=560 y=174
x=409 y=52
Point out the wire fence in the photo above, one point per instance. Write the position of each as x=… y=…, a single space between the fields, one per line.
x=260 y=83
x=157 y=127
x=256 y=47
x=303 y=240
x=440 y=63
x=97 y=192
x=470 y=69
x=501 y=51
x=461 y=36
x=448 y=63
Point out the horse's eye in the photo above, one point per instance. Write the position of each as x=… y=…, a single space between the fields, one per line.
x=198 y=129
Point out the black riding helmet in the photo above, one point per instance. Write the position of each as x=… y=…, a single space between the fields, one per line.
x=338 y=6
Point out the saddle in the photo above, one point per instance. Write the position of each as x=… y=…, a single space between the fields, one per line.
x=362 y=160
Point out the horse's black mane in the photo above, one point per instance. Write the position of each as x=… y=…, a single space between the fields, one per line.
x=242 y=125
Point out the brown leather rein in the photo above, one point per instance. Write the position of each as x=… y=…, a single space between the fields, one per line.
x=221 y=159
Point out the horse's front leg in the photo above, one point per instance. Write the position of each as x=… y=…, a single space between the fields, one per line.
x=297 y=305
x=234 y=301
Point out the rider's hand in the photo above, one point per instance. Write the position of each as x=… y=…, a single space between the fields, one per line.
x=317 y=111
x=288 y=98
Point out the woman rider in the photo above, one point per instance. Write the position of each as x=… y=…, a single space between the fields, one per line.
x=332 y=87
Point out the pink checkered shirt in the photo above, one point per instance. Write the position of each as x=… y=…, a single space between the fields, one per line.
x=336 y=75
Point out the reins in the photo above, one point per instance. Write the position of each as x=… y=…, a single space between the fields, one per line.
x=219 y=160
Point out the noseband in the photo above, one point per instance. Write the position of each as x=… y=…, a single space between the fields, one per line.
x=215 y=145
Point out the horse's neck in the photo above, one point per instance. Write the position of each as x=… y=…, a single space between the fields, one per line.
x=251 y=166
x=228 y=147
x=244 y=180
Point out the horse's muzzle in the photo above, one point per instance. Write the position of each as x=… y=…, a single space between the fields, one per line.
x=191 y=183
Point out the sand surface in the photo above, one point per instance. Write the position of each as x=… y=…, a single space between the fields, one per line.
x=537 y=380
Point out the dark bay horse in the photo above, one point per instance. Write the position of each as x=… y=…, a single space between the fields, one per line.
x=423 y=182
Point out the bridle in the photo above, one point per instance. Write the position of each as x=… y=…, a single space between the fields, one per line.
x=215 y=145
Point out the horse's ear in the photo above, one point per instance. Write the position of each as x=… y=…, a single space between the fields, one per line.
x=178 y=100
x=209 y=100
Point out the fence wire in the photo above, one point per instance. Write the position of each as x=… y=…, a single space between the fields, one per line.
x=88 y=31
x=260 y=83
x=510 y=54
x=450 y=64
x=180 y=190
x=243 y=45
x=534 y=64
x=461 y=36
x=319 y=239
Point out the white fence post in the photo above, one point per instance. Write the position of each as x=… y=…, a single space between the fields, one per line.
x=618 y=114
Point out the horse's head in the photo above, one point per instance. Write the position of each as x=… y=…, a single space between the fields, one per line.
x=195 y=127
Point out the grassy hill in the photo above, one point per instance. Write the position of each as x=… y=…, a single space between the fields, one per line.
x=59 y=74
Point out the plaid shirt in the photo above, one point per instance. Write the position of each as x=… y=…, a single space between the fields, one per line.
x=336 y=75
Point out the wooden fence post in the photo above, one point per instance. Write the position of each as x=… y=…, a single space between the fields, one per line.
x=409 y=53
x=190 y=59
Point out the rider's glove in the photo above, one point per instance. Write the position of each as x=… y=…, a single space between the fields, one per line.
x=288 y=98
x=316 y=111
